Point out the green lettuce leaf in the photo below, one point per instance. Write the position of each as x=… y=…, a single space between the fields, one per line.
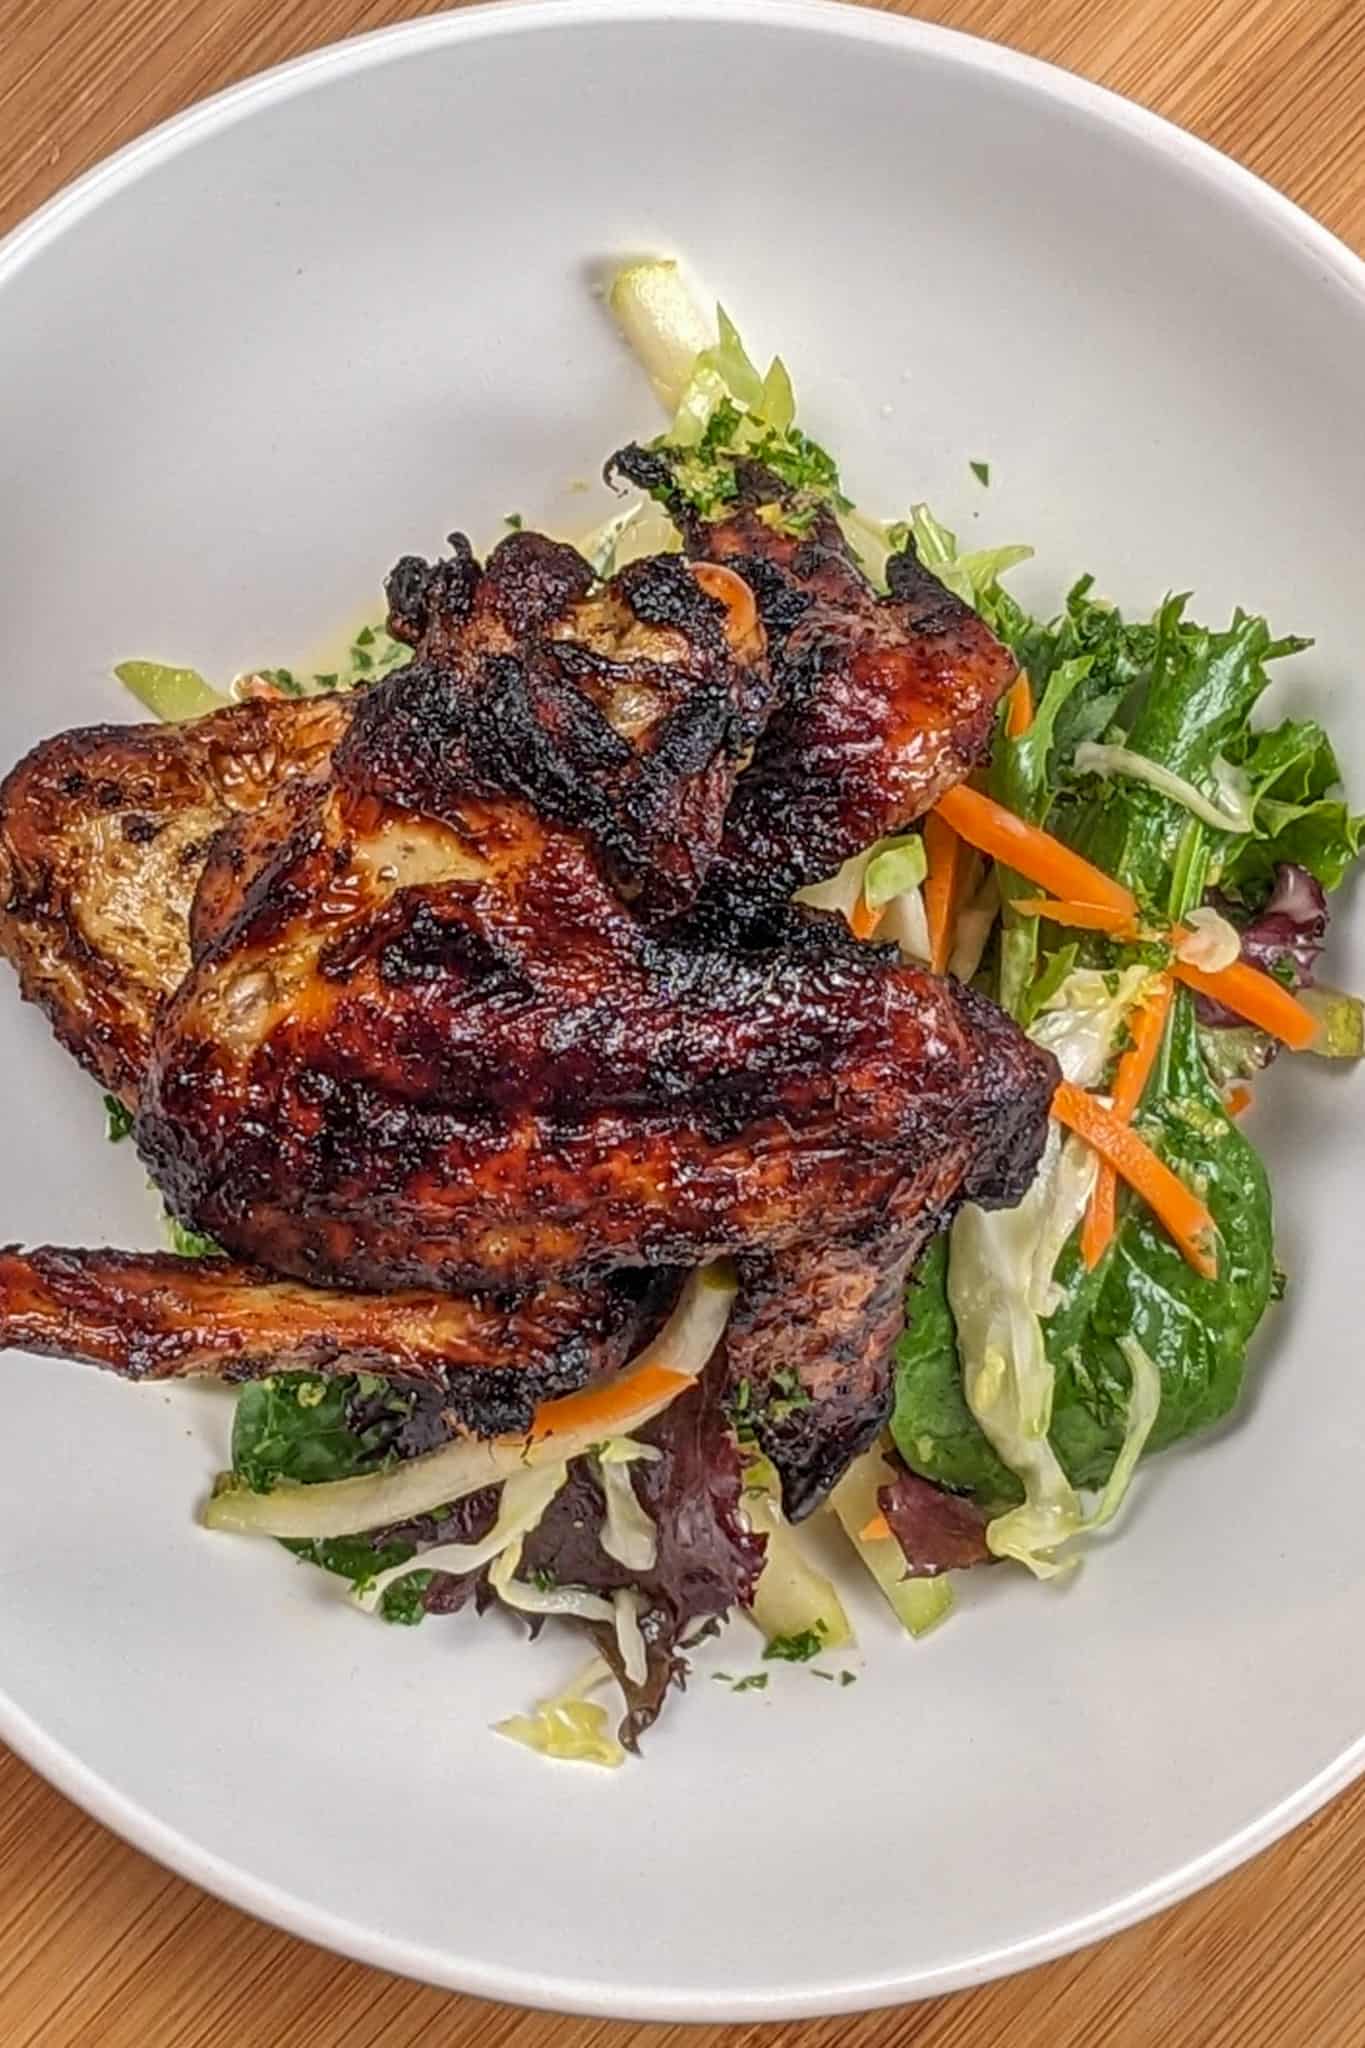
x=1300 y=812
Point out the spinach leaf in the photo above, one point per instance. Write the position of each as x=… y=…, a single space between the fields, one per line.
x=1196 y=1330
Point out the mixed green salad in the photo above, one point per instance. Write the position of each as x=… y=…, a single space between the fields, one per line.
x=1141 y=879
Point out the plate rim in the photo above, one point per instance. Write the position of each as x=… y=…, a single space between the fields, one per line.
x=61 y=1766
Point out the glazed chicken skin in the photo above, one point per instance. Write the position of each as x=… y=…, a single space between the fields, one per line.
x=436 y=1048
x=494 y=1003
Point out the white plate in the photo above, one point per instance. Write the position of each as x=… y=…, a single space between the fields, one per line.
x=318 y=322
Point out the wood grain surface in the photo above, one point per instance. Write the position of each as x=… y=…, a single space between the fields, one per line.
x=100 y=1946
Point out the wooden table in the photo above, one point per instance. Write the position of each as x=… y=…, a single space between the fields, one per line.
x=99 y=1946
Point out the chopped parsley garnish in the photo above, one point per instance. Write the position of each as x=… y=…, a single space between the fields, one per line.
x=190 y=1244
x=981 y=471
x=514 y=520
x=788 y=1395
x=755 y=1682
x=118 y=1121
x=797 y=1649
x=848 y=1678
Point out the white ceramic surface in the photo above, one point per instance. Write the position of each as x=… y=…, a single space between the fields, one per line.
x=316 y=323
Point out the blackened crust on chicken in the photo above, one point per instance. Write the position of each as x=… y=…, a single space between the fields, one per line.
x=624 y=711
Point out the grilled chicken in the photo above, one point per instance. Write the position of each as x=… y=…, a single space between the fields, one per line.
x=435 y=1047
x=883 y=702
x=489 y=990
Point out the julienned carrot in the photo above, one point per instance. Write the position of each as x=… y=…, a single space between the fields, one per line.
x=1090 y=917
x=1181 y=1213
x=875 y=1531
x=863 y=919
x=608 y=1405
x=943 y=854
x=1018 y=707
x=1258 y=997
x=1134 y=1071
x=1030 y=851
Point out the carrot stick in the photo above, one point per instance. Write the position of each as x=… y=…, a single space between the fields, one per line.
x=1090 y=917
x=606 y=1406
x=943 y=853
x=1182 y=1214
x=1134 y=1072
x=863 y=919
x=1030 y=851
x=1018 y=707
x=1258 y=997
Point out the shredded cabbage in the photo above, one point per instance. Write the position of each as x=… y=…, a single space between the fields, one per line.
x=662 y=323
x=1143 y=1403
x=628 y=1533
x=791 y=1597
x=1230 y=810
x=1080 y=1023
x=574 y=1601
x=349 y=1507
x=626 y=1603
x=842 y=891
x=973 y=930
x=893 y=867
x=1212 y=943
x=1008 y=1382
x=524 y=1499
x=642 y=529
x=169 y=693
x=919 y=1604
x=904 y=920
x=1340 y=1020
x=569 y=1726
